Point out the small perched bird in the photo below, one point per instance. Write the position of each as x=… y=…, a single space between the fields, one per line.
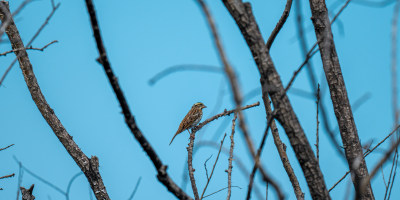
x=191 y=119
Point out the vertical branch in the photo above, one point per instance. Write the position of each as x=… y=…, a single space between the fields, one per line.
x=317 y=132
x=340 y=101
x=190 y=165
x=393 y=169
x=242 y=14
x=236 y=93
x=394 y=63
x=162 y=174
x=229 y=73
x=230 y=159
x=311 y=74
x=89 y=166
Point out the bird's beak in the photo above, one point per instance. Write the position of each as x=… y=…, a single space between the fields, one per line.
x=204 y=106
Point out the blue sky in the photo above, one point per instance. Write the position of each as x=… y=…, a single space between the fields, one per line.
x=143 y=38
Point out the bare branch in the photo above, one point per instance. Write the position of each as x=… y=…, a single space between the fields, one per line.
x=215 y=164
x=281 y=147
x=226 y=112
x=363 y=187
x=282 y=153
x=311 y=74
x=229 y=73
x=365 y=155
x=317 y=132
x=239 y=163
x=220 y=191
x=205 y=166
x=384 y=139
x=280 y=24
x=242 y=14
x=90 y=166
x=190 y=164
x=6 y=147
x=30 y=41
x=7 y=176
x=229 y=170
x=29 y=48
x=162 y=174
x=394 y=63
x=340 y=101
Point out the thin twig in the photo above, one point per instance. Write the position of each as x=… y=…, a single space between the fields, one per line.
x=7 y=176
x=391 y=174
x=365 y=155
x=162 y=174
x=317 y=132
x=382 y=141
x=230 y=159
x=31 y=41
x=220 y=191
x=226 y=112
x=309 y=55
x=239 y=163
x=364 y=184
x=136 y=188
x=311 y=52
x=384 y=181
x=394 y=176
x=6 y=147
x=28 y=48
x=205 y=166
x=215 y=164
x=280 y=24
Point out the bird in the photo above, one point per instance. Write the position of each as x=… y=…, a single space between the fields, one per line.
x=191 y=119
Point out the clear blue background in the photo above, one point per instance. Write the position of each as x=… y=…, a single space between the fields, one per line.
x=143 y=38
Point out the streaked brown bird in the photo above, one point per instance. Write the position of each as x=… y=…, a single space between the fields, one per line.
x=191 y=119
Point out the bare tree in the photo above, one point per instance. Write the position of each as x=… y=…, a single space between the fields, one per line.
x=278 y=110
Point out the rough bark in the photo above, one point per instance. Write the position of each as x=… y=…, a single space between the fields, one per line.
x=162 y=174
x=89 y=166
x=271 y=84
x=340 y=101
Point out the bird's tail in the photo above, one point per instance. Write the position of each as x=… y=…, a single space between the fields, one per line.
x=174 y=137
